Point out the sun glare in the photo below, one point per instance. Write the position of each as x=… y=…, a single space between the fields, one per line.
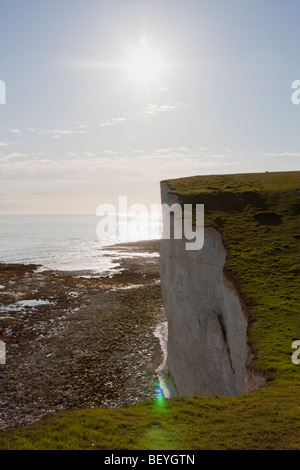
x=145 y=65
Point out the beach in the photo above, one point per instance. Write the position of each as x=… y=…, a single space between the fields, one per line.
x=75 y=340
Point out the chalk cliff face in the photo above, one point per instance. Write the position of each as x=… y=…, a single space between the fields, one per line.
x=207 y=324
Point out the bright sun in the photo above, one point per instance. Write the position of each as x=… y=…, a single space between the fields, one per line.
x=145 y=65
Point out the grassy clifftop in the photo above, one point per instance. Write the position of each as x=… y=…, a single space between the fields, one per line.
x=258 y=216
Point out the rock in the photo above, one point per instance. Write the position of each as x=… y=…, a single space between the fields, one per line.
x=207 y=322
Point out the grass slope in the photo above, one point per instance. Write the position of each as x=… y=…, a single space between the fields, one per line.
x=258 y=217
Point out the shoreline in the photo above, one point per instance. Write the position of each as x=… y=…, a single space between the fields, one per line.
x=88 y=343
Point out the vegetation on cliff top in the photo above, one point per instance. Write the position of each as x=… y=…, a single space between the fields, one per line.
x=258 y=216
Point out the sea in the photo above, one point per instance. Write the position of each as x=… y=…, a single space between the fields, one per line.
x=73 y=242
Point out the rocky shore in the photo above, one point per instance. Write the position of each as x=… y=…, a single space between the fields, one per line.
x=79 y=341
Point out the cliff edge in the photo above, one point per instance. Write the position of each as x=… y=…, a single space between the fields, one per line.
x=207 y=321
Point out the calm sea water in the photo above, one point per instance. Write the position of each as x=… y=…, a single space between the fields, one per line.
x=67 y=242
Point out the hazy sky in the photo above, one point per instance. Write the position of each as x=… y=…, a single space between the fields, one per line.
x=107 y=98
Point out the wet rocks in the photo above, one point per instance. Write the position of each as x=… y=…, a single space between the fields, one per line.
x=88 y=343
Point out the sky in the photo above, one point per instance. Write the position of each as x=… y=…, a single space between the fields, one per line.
x=107 y=98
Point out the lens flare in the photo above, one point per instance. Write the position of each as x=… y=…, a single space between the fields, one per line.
x=160 y=406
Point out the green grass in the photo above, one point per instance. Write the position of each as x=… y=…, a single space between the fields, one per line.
x=263 y=259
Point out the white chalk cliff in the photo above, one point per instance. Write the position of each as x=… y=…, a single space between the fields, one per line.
x=207 y=352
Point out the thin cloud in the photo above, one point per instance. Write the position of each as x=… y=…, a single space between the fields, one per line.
x=80 y=124
x=59 y=133
x=113 y=121
x=160 y=162
x=112 y=152
x=155 y=109
x=89 y=153
x=70 y=154
x=10 y=156
x=53 y=133
x=283 y=154
x=150 y=109
x=17 y=155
